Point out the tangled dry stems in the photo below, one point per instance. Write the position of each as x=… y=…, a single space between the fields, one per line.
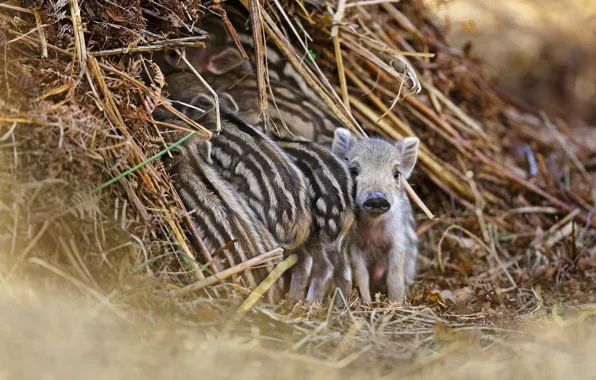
x=513 y=241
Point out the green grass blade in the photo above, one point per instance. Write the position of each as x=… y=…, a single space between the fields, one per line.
x=137 y=167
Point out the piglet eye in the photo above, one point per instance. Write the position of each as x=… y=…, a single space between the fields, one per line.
x=396 y=174
x=354 y=170
x=173 y=56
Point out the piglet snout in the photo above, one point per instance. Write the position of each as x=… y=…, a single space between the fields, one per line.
x=376 y=203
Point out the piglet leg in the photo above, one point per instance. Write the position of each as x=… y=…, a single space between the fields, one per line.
x=396 y=287
x=342 y=277
x=300 y=274
x=321 y=273
x=361 y=275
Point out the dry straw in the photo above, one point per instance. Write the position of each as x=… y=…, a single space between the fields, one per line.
x=521 y=239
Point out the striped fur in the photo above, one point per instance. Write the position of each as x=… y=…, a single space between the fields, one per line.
x=330 y=186
x=295 y=111
x=384 y=244
x=292 y=113
x=219 y=215
x=273 y=186
x=258 y=168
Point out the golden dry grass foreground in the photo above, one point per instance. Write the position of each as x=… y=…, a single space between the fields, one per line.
x=89 y=278
x=50 y=330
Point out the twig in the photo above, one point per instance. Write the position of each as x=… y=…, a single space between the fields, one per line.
x=260 y=290
x=25 y=35
x=15 y=8
x=231 y=31
x=34 y=42
x=394 y=102
x=559 y=235
x=416 y=198
x=42 y=36
x=257 y=34
x=53 y=92
x=478 y=206
x=204 y=82
x=143 y=49
x=556 y=226
x=146 y=256
x=370 y=2
x=195 y=233
x=530 y=210
x=193 y=29
x=403 y=127
x=377 y=62
x=581 y=236
x=173 y=126
x=339 y=14
x=456 y=110
x=230 y=272
x=79 y=36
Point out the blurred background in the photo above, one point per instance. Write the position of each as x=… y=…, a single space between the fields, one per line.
x=543 y=51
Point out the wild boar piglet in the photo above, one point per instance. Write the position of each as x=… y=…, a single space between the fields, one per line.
x=295 y=110
x=322 y=255
x=325 y=251
x=219 y=214
x=257 y=169
x=384 y=244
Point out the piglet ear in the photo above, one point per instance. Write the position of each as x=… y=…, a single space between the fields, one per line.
x=199 y=106
x=343 y=141
x=228 y=102
x=409 y=155
x=192 y=103
x=224 y=61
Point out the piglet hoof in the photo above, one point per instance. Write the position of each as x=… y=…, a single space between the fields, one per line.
x=396 y=300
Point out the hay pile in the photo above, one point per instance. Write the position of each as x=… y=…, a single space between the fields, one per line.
x=514 y=235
